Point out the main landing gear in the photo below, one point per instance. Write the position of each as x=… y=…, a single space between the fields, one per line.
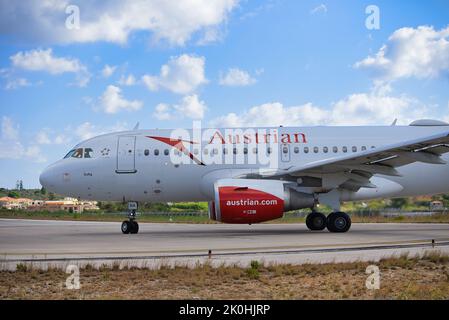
x=334 y=222
x=131 y=225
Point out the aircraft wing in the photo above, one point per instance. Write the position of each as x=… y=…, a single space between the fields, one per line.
x=355 y=169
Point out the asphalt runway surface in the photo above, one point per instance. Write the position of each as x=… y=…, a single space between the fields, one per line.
x=45 y=243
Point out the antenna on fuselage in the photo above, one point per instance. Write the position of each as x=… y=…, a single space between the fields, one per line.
x=136 y=127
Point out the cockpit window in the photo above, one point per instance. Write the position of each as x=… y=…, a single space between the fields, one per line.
x=69 y=154
x=88 y=152
x=78 y=153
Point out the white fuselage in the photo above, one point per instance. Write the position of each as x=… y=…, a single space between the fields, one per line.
x=138 y=166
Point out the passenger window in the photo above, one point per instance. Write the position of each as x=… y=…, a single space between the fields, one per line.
x=373 y=147
x=296 y=150
x=285 y=150
x=335 y=149
x=345 y=149
x=156 y=152
x=255 y=150
x=325 y=149
x=166 y=152
x=245 y=150
x=195 y=151
x=354 y=149
x=205 y=151
x=215 y=151
x=88 y=152
x=234 y=150
x=306 y=149
x=315 y=150
x=364 y=148
x=225 y=150
x=269 y=150
x=78 y=153
x=146 y=152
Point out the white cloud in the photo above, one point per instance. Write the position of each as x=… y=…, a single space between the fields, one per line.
x=112 y=101
x=180 y=75
x=210 y=35
x=42 y=137
x=45 y=61
x=189 y=107
x=12 y=148
x=421 y=53
x=375 y=107
x=87 y=130
x=112 y=21
x=273 y=114
x=108 y=71
x=162 y=112
x=47 y=136
x=322 y=8
x=130 y=80
x=236 y=77
x=13 y=84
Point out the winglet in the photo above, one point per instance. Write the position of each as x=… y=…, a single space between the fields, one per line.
x=394 y=122
x=136 y=127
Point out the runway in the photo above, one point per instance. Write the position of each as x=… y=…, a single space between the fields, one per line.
x=58 y=243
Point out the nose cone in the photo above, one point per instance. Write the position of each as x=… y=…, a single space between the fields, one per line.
x=47 y=179
x=44 y=179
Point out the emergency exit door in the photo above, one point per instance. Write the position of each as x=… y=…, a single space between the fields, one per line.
x=126 y=157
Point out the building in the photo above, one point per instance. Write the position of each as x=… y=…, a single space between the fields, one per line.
x=436 y=205
x=15 y=204
x=71 y=205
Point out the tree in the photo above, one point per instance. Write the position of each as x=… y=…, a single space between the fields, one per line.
x=51 y=196
x=43 y=191
x=13 y=194
x=399 y=202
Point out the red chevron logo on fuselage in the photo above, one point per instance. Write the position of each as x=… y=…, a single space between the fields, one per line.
x=178 y=144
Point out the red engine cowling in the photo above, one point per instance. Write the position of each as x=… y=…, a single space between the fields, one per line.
x=252 y=201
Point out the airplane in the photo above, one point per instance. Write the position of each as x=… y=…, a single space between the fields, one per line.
x=252 y=175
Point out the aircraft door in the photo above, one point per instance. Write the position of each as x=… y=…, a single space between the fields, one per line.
x=126 y=157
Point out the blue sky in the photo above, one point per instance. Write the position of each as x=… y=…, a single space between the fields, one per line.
x=227 y=63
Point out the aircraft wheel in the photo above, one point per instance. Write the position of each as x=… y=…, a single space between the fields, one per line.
x=135 y=227
x=338 y=222
x=126 y=227
x=316 y=221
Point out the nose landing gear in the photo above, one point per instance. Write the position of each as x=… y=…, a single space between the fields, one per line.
x=131 y=225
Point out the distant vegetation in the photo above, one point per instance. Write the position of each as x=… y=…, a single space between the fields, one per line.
x=399 y=204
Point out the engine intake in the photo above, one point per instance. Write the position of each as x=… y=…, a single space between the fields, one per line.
x=253 y=201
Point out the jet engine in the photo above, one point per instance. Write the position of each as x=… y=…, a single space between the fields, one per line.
x=252 y=201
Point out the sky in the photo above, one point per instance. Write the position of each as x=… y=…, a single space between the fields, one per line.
x=70 y=70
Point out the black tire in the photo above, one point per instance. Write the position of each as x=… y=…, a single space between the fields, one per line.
x=338 y=222
x=126 y=227
x=135 y=227
x=316 y=221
